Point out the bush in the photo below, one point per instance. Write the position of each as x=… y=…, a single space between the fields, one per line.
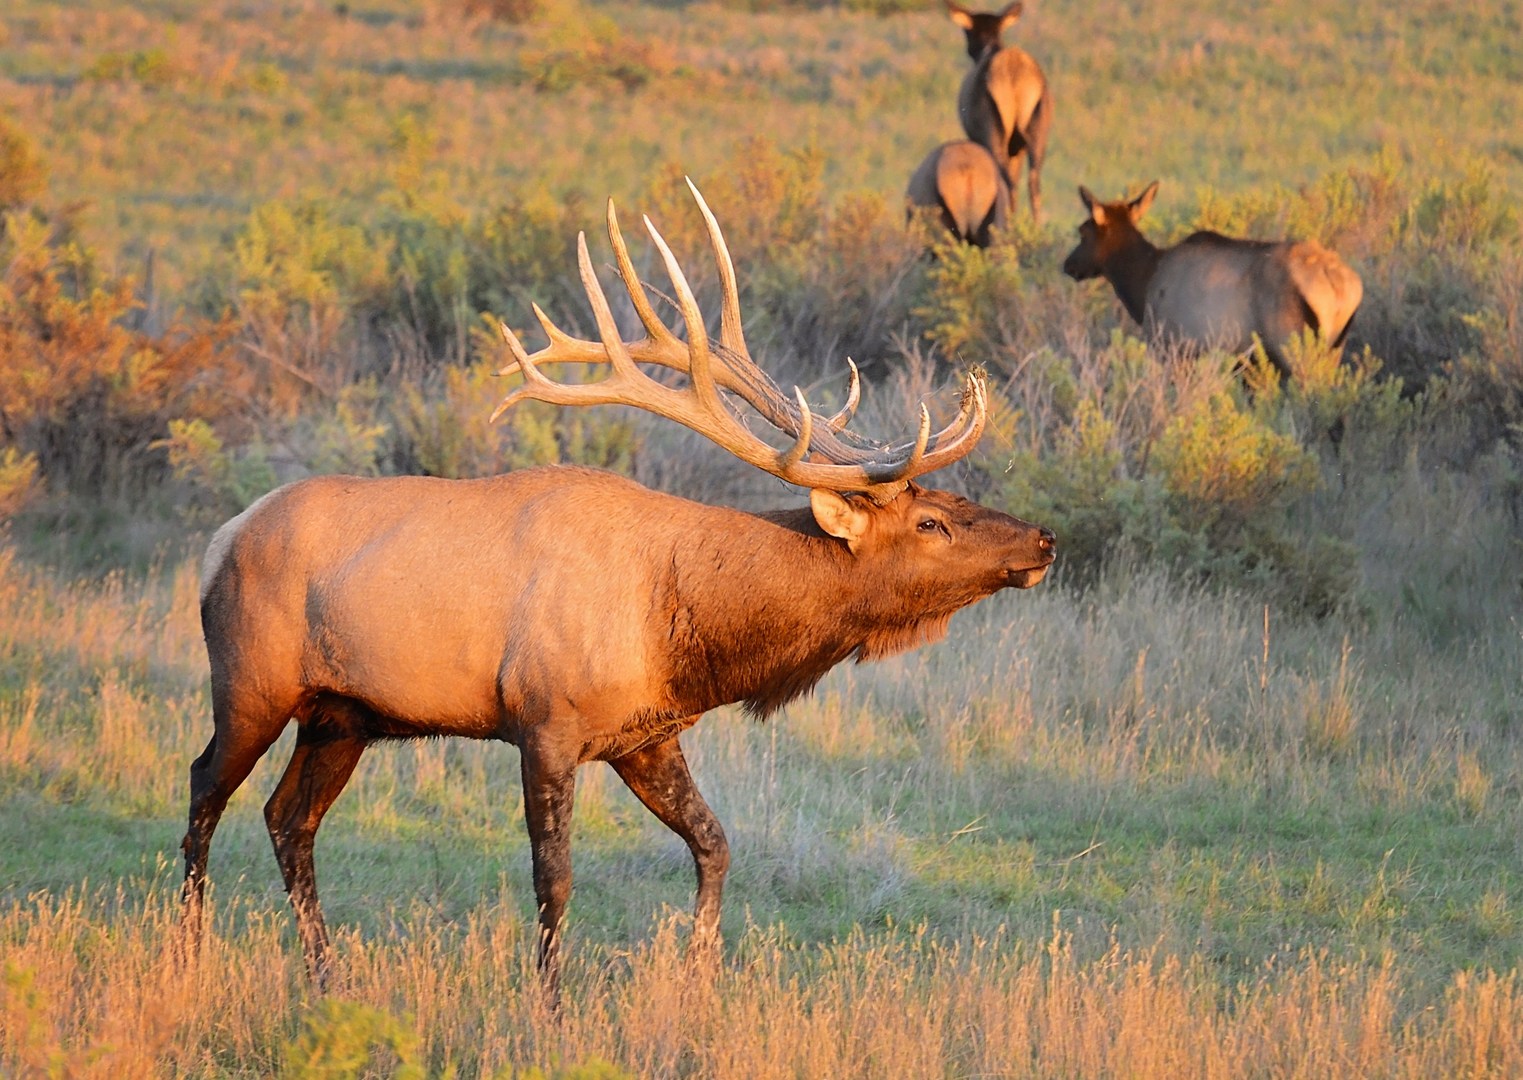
x=1170 y=457
x=442 y=429
x=578 y=48
x=23 y=176
x=82 y=395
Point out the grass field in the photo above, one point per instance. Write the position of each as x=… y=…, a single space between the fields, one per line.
x=1235 y=793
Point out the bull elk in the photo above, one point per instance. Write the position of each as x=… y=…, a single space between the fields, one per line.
x=1213 y=290
x=1004 y=102
x=965 y=188
x=573 y=612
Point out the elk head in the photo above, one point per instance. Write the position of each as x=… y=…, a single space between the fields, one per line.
x=1110 y=229
x=983 y=29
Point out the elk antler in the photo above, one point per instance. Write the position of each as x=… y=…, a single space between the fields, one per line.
x=882 y=472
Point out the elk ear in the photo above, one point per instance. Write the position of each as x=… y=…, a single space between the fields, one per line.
x=838 y=516
x=1008 y=17
x=1140 y=204
x=959 y=16
x=1095 y=207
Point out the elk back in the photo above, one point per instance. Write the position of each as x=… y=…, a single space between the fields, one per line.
x=966 y=186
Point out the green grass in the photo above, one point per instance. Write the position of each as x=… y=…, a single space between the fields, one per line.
x=218 y=108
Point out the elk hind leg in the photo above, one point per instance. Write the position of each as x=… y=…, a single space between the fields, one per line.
x=320 y=766
x=221 y=768
x=1034 y=136
x=659 y=777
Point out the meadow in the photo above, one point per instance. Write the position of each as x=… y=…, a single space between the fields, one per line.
x=1235 y=793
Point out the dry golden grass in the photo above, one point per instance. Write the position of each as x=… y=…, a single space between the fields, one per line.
x=105 y=996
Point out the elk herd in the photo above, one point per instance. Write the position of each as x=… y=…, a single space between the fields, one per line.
x=585 y=618
x=1207 y=290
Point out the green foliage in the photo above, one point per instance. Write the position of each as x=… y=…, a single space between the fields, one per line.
x=576 y=47
x=771 y=202
x=349 y=436
x=967 y=288
x=151 y=68
x=447 y=267
x=344 y=1040
x=224 y=481
x=442 y=429
x=18 y=480
x=1222 y=463
x=1171 y=457
x=23 y=175
x=299 y=260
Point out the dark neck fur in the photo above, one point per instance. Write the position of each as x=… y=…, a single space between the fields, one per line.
x=1130 y=270
x=759 y=618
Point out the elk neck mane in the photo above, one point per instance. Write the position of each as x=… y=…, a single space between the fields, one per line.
x=760 y=624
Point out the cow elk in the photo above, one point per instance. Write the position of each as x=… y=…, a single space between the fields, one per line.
x=573 y=612
x=1004 y=103
x=966 y=190
x=1213 y=290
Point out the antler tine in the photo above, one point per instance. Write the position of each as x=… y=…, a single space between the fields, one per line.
x=786 y=462
x=844 y=414
x=608 y=330
x=907 y=470
x=697 y=337
x=957 y=439
x=731 y=333
x=655 y=329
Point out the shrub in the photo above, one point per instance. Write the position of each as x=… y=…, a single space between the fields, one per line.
x=221 y=482
x=442 y=428
x=18 y=480
x=151 y=68
x=82 y=394
x=1168 y=456
x=508 y=11
x=23 y=176
x=577 y=48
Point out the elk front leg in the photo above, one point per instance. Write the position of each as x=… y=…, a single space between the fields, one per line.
x=659 y=777
x=320 y=766
x=549 y=798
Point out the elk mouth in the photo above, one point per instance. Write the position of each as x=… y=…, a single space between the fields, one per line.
x=1031 y=575
x=1078 y=271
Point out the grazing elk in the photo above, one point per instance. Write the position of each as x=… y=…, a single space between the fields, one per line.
x=965 y=187
x=1213 y=290
x=1004 y=103
x=575 y=613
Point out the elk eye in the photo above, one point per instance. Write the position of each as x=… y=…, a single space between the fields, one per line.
x=930 y=525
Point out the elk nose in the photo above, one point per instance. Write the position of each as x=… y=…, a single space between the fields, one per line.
x=1047 y=540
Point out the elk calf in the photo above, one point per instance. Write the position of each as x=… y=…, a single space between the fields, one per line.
x=1213 y=290
x=574 y=613
x=1004 y=103
x=966 y=188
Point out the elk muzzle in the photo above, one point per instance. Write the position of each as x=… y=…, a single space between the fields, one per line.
x=1024 y=577
x=1081 y=264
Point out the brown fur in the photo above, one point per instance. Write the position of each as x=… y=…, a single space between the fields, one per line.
x=967 y=189
x=1214 y=290
x=571 y=612
x=1004 y=103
